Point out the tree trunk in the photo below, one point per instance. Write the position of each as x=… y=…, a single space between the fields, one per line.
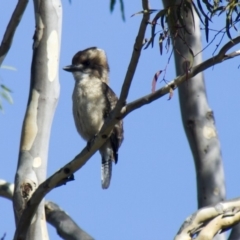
x=43 y=98
x=197 y=116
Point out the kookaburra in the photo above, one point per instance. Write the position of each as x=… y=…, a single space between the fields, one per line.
x=93 y=100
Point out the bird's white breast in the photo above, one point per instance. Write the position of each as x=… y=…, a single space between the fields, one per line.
x=88 y=105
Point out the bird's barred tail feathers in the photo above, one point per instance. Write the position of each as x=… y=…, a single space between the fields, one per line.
x=106 y=172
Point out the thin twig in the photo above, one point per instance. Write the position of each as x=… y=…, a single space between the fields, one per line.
x=137 y=48
x=218 y=32
x=220 y=57
x=208 y=221
x=11 y=28
x=86 y=153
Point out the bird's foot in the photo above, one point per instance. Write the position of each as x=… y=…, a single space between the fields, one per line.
x=64 y=181
x=90 y=142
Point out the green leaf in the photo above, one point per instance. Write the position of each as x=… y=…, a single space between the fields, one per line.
x=153 y=34
x=216 y=4
x=221 y=9
x=1 y=107
x=112 y=5
x=7 y=96
x=237 y=18
x=161 y=15
x=201 y=9
x=150 y=11
x=5 y=88
x=162 y=22
x=206 y=28
x=8 y=67
x=150 y=41
x=122 y=9
x=229 y=23
x=161 y=39
x=208 y=5
x=196 y=10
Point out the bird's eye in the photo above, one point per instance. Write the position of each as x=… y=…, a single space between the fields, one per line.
x=87 y=63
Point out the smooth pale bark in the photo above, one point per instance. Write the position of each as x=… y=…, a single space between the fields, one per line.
x=63 y=174
x=58 y=218
x=43 y=98
x=197 y=116
x=29 y=186
x=208 y=221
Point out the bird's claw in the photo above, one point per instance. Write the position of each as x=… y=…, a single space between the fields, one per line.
x=66 y=180
x=90 y=142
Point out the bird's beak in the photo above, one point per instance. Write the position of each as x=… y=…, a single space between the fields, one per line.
x=74 y=68
x=69 y=68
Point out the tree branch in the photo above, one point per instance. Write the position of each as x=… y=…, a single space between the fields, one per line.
x=6 y=189
x=220 y=57
x=137 y=48
x=208 y=221
x=64 y=224
x=42 y=102
x=59 y=219
x=86 y=153
x=11 y=28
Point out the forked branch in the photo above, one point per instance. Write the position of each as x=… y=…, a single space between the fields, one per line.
x=59 y=219
x=209 y=221
x=220 y=57
x=86 y=153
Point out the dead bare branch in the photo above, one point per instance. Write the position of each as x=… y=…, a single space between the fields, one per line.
x=208 y=221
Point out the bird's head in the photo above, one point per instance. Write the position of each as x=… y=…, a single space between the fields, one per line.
x=91 y=62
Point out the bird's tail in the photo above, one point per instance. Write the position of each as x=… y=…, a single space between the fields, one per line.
x=106 y=172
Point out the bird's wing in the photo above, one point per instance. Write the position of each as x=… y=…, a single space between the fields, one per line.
x=116 y=137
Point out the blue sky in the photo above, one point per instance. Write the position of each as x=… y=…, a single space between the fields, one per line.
x=153 y=188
